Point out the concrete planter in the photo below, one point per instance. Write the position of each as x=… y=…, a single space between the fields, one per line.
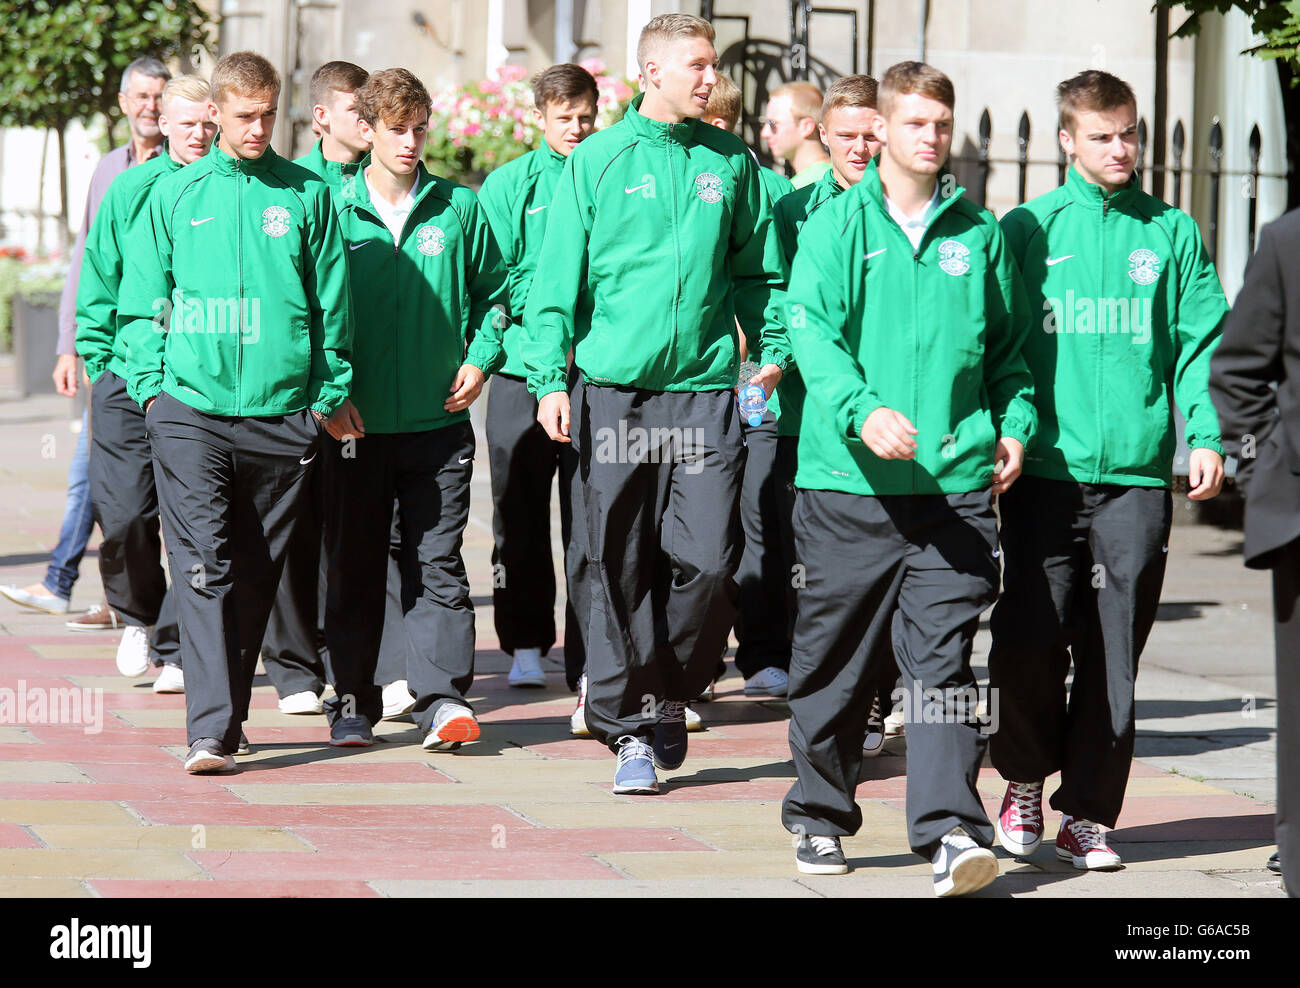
x=36 y=334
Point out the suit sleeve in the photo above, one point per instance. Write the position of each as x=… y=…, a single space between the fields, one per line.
x=329 y=301
x=756 y=268
x=551 y=314
x=816 y=314
x=97 y=290
x=1201 y=311
x=1007 y=325
x=144 y=303
x=489 y=292
x=1248 y=360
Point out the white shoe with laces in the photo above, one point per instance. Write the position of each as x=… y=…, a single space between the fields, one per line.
x=133 y=651
x=397 y=699
x=170 y=680
x=578 y=719
x=305 y=702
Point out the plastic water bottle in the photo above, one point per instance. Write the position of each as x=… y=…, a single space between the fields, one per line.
x=752 y=398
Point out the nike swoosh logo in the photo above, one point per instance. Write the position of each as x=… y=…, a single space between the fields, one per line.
x=201 y=222
x=357 y=246
x=537 y=210
x=308 y=460
x=1057 y=260
x=637 y=189
x=867 y=257
x=465 y=459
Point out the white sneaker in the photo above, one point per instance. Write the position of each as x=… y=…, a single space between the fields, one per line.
x=527 y=670
x=768 y=682
x=170 y=680
x=397 y=699
x=693 y=722
x=894 y=722
x=305 y=702
x=453 y=725
x=578 y=719
x=46 y=602
x=133 y=651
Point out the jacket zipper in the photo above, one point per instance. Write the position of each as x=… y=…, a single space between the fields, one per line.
x=677 y=246
x=239 y=261
x=1101 y=432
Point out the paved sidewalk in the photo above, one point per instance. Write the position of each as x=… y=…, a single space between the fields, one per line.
x=528 y=809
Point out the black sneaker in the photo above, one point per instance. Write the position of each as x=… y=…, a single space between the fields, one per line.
x=244 y=747
x=670 y=736
x=960 y=865
x=207 y=755
x=351 y=732
x=819 y=855
x=1275 y=864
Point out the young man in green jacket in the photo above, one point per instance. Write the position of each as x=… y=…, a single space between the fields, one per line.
x=294 y=651
x=238 y=325
x=762 y=627
x=430 y=294
x=848 y=129
x=516 y=198
x=1127 y=313
x=122 y=491
x=907 y=316
x=654 y=223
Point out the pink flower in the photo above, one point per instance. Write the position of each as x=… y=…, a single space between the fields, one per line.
x=518 y=114
x=490 y=86
x=519 y=133
x=512 y=73
x=622 y=91
x=593 y=65
x=473 y=130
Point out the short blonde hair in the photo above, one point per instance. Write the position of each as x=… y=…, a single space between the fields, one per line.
x=670 y=27
x=724 y=102
x=245 y=73
x=851 y=91
x=187 y=87
x=915 y=77
x=805 y=99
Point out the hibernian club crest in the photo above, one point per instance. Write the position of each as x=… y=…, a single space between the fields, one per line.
x=952 y=257
x=275 y=221
x=708 y=186
x=1144 y=266
x=430 y=240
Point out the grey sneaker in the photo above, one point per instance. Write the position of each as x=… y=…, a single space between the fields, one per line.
x=960 y=865
x=207 y=755
x=351 y=732
x=819 y=855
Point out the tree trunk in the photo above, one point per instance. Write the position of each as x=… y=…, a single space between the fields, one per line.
x=40 y=197
x=65 y=238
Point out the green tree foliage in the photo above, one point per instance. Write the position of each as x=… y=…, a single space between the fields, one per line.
x=1277 y=21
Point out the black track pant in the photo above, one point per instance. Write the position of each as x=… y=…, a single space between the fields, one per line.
x=1286 y=596
x=427 y=476
x=764 y=622
x=1084 y=566
x=294 y=651
x=125 y=504
x=917 y=569
x=661 y=473
x=524 y=463
x=231 y=490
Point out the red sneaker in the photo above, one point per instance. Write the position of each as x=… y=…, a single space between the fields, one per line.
x=1020 y=821
x=1081 y=841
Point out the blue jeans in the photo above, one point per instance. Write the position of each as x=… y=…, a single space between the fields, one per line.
x=78 y=521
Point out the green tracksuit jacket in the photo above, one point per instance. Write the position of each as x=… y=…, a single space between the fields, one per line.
x=789 y=216
x=517 y=199
x=332 y=173
x=420 y=301
x=934 y=333
x=98 y=341
x=1127 y=311
x=650 y=228
x=235 y=294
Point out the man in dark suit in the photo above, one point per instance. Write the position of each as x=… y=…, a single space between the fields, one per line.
x=1260 y=424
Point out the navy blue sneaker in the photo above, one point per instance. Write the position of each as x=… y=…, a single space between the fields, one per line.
x=635 y=771
x=670 y=736
x=351 y=732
